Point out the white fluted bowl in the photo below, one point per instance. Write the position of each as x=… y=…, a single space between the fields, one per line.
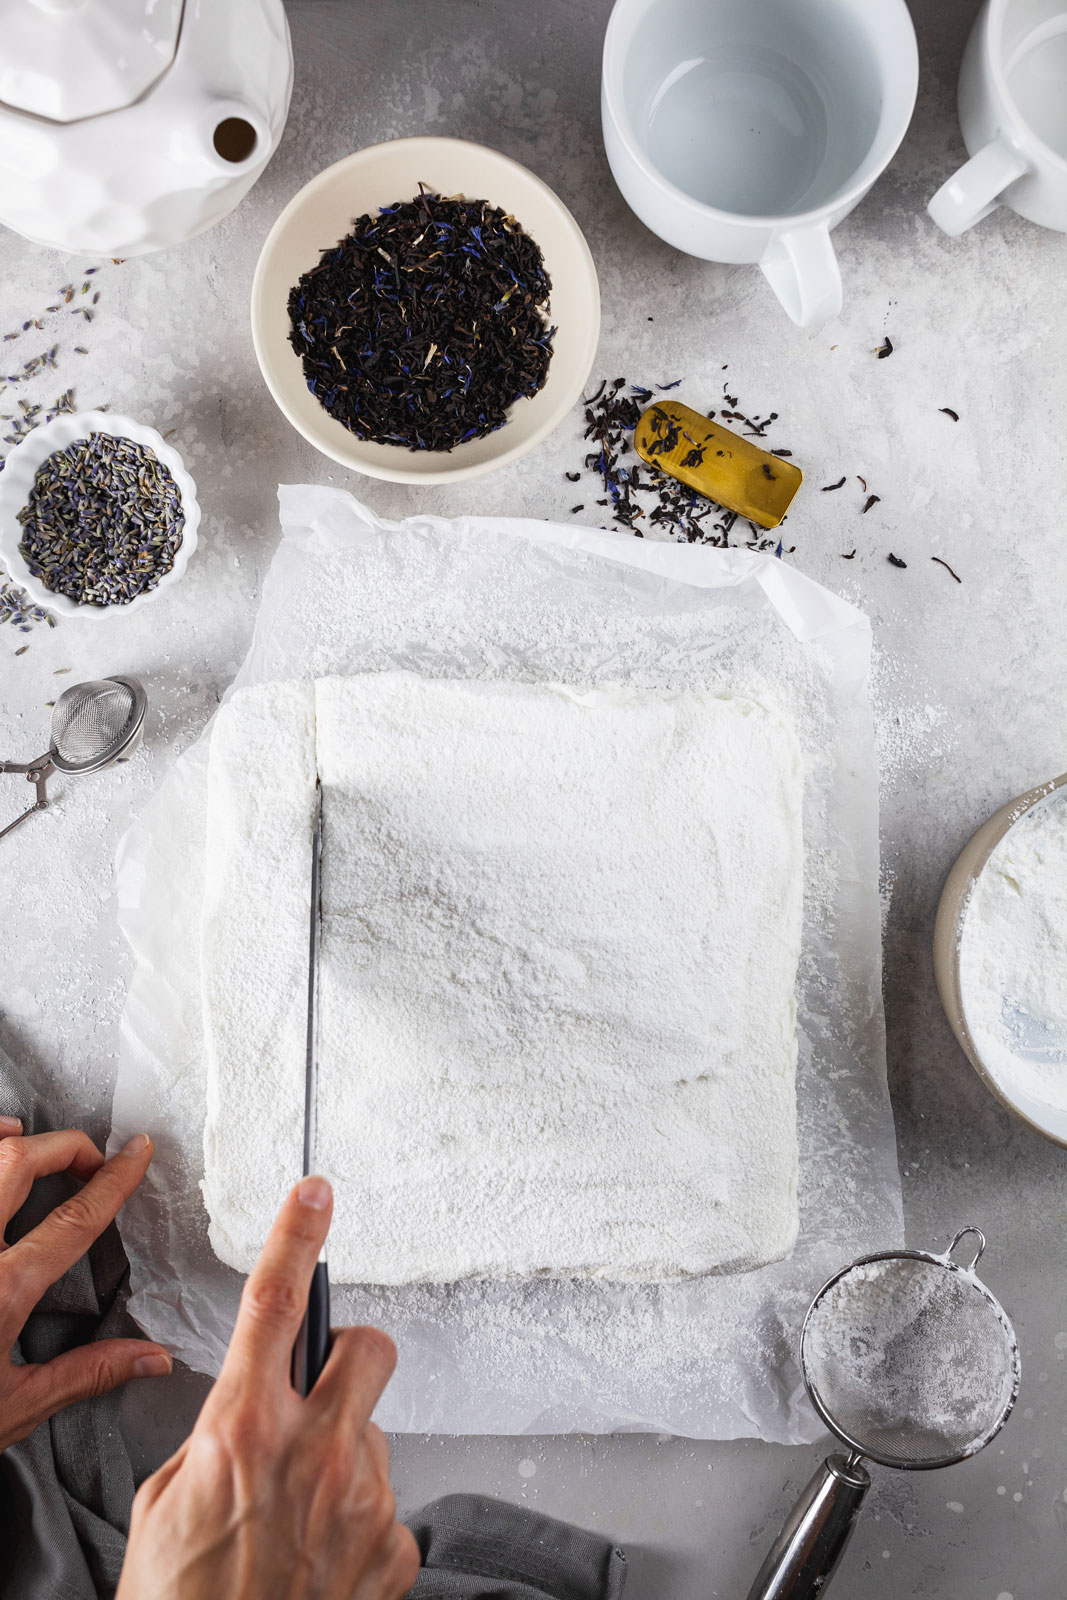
x=16 y=481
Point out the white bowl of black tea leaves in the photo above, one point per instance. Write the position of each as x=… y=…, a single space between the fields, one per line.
x=425 y=311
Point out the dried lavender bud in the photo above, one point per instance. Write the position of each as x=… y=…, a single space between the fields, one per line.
x=103 y=521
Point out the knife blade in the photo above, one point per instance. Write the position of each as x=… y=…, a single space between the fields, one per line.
x=313 y=1341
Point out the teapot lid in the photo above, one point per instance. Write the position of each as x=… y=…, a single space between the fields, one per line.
x=67 y=59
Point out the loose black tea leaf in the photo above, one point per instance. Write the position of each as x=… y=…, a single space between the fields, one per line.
x=572 y=477
x=948 y=411
x=895 y=561
x=947 y=568
x=885 y=349
x=862 y=483
x=840 y=484
x=611 y=415
x=426 y=323
x=871 y=500
x=781 y=452
x=576 y=509
x=849 y=557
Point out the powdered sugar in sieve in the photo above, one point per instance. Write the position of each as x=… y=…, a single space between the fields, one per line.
x=910 y=1359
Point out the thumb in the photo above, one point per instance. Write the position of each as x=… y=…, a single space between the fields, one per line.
x=90 y=1370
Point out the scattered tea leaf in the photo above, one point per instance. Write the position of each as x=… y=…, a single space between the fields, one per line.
x=895 y=561
x=871 y=500
x=947 y=568
x=885 y=349
x=840 y=484
x=948 y=412
x=849 y=556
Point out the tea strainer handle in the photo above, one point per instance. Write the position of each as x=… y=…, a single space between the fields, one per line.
x=38 y=772
x=805 y=1554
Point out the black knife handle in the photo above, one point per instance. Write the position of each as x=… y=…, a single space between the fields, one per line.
x=313 y=1341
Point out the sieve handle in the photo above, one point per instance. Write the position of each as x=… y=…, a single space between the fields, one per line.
x=805 y=1554
x=37 y=775
x=30 y=768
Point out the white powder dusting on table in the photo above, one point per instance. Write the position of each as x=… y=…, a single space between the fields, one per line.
x=560 y=938
x=1013 y=956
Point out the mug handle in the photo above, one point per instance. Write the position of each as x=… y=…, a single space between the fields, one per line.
x=974 y=191
x=801 y=268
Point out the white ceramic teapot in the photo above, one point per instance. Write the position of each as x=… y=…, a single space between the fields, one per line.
x=130 y=125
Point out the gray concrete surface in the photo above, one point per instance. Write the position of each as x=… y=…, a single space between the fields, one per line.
x=968 y=692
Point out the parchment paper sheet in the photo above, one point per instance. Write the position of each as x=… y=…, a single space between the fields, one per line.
x=349 y=593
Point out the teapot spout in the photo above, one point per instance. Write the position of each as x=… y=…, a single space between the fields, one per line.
x=234 y=136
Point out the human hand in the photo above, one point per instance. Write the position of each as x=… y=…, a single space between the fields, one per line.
x=31 y=1394
x=273 y=1495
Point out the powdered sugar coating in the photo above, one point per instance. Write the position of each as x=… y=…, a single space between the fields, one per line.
x=560 y=938
x=1013 y=956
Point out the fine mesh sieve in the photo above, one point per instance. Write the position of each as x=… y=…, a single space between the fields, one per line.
x=913 y=1363
x=909 y=1358
x=93 y=724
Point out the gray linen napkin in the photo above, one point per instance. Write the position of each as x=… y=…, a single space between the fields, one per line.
x=66 y=1491
x=474 y=1548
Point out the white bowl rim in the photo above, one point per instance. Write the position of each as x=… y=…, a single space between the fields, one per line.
x=20 y=469
x=952 y=911
x=447 y=473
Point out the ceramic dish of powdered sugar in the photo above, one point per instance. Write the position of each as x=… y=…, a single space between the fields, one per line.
x=483 y=600
x=1001 y=955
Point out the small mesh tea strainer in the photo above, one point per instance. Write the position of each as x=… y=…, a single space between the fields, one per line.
x=93 y=724
x=913 y=1364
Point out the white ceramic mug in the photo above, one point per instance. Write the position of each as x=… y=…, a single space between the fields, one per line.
x=744 y=130
x=1013 y=116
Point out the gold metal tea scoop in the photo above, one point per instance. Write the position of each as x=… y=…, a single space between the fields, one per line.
x=722 y=465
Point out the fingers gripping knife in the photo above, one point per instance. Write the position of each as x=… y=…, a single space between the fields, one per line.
x=313 y=1341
